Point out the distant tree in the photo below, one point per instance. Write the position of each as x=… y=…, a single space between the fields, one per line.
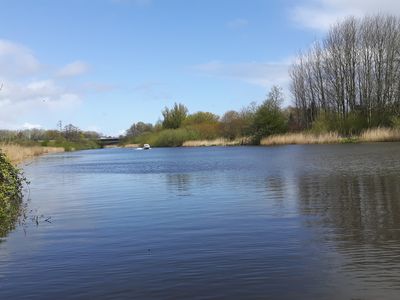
x=201 y=118
x=269 y=119
x=232 y=124
x=52 y=135
x=174 y=117
x=139 y=128
x=247 y=115
x=205 y=124
x=72 y=133
x=91 y=135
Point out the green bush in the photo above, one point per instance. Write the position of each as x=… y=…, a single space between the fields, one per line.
x=268 y=120
x=395 y=122
x=11 y=181
x=323 y=124
x=174 y=137
x=354 y=124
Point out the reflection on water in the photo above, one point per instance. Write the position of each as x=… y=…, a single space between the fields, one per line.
x=179 y=183
x=361 y=215
x=295 y=222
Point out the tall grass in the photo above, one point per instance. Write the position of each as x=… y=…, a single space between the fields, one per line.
x=217 y=142
x=302 y=138
x=17 y=154
x=370 y=135
x=380 y=135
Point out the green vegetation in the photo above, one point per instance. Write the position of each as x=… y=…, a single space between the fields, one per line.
x=173 y=118
x=269 y=119
x=344 y=88
x=178 y=126
x=11 y=181
x=70 y=138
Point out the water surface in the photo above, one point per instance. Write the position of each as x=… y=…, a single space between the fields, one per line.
x=291 y=222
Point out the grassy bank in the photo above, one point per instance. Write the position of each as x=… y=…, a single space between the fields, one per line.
x=367 y=136
x=17 y=153
x=10 y=194
x=185 y=138
x=217 y=142
x=82 y=144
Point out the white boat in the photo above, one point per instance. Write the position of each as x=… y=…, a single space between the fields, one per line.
x=146 y=147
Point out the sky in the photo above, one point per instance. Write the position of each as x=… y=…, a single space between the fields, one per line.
x=103 y=65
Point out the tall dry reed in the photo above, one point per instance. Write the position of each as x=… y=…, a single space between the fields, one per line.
x=217 y=142
x=380 y=134
x=302 y=138
x=18 y=154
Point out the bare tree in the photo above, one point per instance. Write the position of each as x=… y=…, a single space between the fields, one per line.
x=354 y=71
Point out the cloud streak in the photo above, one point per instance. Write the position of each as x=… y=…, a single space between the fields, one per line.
x=260 y=74
x=73 y=69
x=17 y=60
x=237 y=23
x=321 y=14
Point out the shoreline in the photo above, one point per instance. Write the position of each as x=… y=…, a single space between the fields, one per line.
x=375 y=135
x=17 y=154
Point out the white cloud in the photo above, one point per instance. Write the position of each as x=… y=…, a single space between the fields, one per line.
x=31 y=126
x=27 y=89
x=321 y=14
x=261 y=74
x=237 y=23
x=73 y=69
x=98 y=87
x=16 y=60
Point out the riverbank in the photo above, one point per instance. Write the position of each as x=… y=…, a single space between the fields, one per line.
x=18 y=154
x=10 y=194
x=304 y=138
x=367 y=136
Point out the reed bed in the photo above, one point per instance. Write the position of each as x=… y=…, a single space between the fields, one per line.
x=380 y=135
x=216 y=142
x=302 y=138
x=18 y=154
x=131 y=146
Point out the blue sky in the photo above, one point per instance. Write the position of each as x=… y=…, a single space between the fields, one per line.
x=105 y=64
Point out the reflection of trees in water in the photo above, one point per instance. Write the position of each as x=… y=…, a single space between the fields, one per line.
x=361 y=215
x=179 y=182
x=362 y=209
x=276 y=186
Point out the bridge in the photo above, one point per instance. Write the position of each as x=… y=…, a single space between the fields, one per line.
x=107 y=141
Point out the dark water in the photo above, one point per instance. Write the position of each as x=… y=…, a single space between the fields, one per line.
x=293 y=222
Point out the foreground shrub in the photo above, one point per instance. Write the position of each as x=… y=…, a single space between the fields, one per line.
x=11 y=182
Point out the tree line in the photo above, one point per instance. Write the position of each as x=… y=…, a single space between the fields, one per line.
x=178 y=126
x=69 y=137
x=351 y=79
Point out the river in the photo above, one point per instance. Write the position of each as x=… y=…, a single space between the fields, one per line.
x=289 y=222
